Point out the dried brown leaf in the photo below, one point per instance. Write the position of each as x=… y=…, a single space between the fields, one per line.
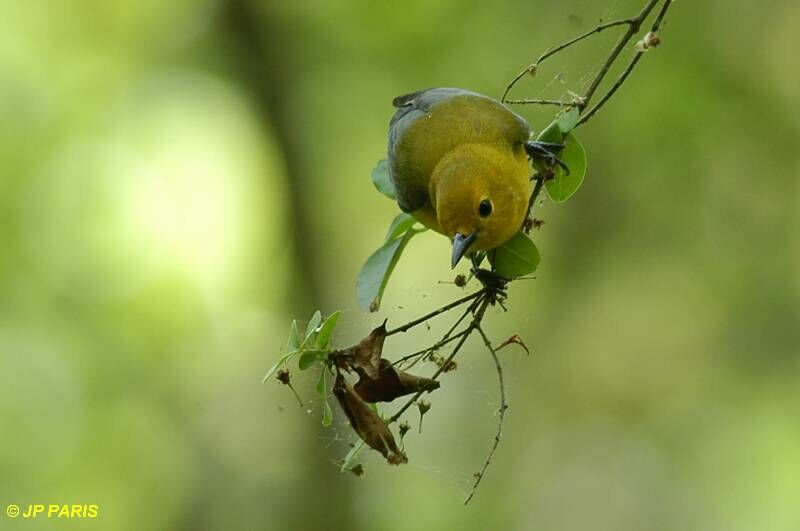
x=366 y=422
x=390 y=384
x=366 y=355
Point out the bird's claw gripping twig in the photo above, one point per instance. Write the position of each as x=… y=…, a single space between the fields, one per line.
x=494 y=283
x=546 y=151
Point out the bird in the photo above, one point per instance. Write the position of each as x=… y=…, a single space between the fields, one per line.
x=460 y=163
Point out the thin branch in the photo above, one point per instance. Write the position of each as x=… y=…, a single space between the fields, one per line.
x=532 y=68
x=469 y=310
x=660 y=16
x=633 y=27
x=537 y=190
x=445 y=339
x=617 y=84
x=628 y=69
x=558 y=103
x=501 y=414
x=481 y=304
x=299 y=401
x=605 y=25
x=433 y=348
x=439 y=311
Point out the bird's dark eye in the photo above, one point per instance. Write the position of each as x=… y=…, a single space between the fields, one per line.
x=485 y=208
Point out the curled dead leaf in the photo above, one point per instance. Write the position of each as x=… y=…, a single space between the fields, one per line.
x=366 y=422
x=366 y=355
x=390 y=384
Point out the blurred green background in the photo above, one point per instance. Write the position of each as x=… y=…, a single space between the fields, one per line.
x=181 y=179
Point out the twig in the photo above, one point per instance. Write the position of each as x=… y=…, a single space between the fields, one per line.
x=532 y=68
x=633 y=26
x=537 y=190
x=628 y=69
x=632 y=30
x=299 y=401
x=481 y=304
x=527 y=101
x=501 y=414
x=439 y=311
x=445 y=339
x=433 y=348
x=660 y=16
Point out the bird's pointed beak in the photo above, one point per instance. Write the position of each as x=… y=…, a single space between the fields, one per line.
x=461 y=244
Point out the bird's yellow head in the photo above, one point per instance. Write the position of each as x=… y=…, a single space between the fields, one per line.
x=480 y=193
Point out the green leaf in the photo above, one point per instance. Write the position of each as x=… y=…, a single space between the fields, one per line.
x=310 y=357
x=375 y=272
x=400 y=224
x=327 y=414
x=567 y=120
x=292 y=348
x=326 y=329
x=551 y=133
x=293 y=343
x=283 y=360
x=515 y=258
x=381 y=180
x=562 y=186
x=313 y=323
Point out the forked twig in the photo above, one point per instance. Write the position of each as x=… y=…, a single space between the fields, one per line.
x=582 y=102
x=478 y=307
x=438 y=311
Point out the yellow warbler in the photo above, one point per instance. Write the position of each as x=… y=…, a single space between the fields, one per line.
x=459 y=162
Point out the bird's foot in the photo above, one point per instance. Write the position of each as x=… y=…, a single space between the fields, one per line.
x=547 y=152
x=494 y=283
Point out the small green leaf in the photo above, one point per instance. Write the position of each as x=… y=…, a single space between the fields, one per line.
x=400 y=224
x=322 y=390
x=313 y=323
x=381 y=180
x=326 y=329
x=551 y=133
x=568 y=120
x=375 y=272
x=293 y=343
x=283 y=360
x=515 y=258
x=562 y=186
x=310 y=357
x=292 y=347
